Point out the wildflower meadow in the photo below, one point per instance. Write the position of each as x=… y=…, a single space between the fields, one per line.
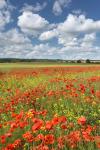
x=50 y=108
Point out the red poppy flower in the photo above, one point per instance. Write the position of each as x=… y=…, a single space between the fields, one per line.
x=8 y=134
x=17 y=143
x=0 y=125
x=37 y=125
x=22 y=124
x=3 y=139
x=49 y=139
x=9 y=147
x=48 y=125
x=64 y=126
x=98 y=93
x=62 y=119
x=28 y=136
x=41 y=147
x=61 y=141
x=97 y=140
x=82 y=120
x=55 y=120
x=39 y=137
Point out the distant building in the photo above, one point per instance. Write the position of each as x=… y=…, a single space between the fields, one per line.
x=95 y=61
x=83 y=61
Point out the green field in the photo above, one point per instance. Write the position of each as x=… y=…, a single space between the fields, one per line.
x=38 y=64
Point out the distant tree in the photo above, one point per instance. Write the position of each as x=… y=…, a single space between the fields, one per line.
x=88 y=61
x=78 y=61
x=72 y=61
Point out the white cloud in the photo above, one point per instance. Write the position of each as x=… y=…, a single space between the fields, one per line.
x=72 y=30
x=74 y=23
x=5 y=18
x=14 y=44
x=2 y=4
x=78 y=30
x=67 y=39
x=12 y=37
x=88 y=40
x=80 y=53
x=48 y=35
x=31 y=23
x=43 y=51
x=5 y=13
x=34 y=8
x=77 y=36
x=59 y=5
x=78 y=12
x=57 y=8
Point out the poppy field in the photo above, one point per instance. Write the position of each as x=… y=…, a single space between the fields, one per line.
x=50 y=108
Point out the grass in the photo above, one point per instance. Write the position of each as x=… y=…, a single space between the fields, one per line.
x=39 y=64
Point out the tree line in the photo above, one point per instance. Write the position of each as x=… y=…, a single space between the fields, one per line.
x=18 y=60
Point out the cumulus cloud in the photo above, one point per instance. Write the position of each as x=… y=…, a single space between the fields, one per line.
x=14 y=44
x=43 y=51
x=12 y=37
x=5 y=18
x=74 y=23
x=5 y=13
x=34 y=8
x=88 y=40
x=78 y=31
x=31 y=23
x=59 y=5
x=48 y=35
x=75 y=53
x=73 y=29
x=2 y=4
x=77 y=36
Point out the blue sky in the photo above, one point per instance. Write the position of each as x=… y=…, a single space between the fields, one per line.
x=53 y=29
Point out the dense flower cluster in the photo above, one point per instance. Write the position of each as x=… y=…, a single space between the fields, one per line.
x=52 y=108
